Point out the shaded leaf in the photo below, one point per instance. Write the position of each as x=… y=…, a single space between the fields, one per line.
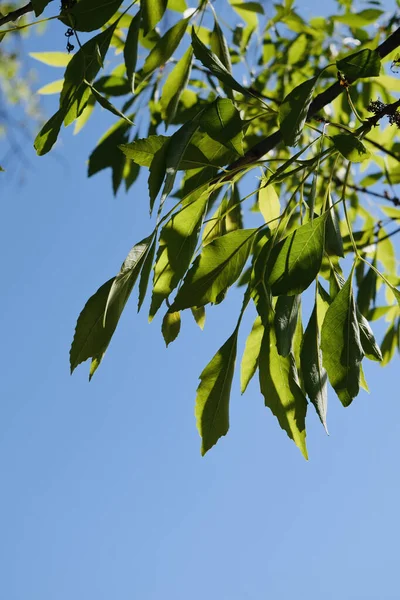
x=333 y=242
x=165 y=47
x=293 y=111
x=88 y=15
x=222 y=122
x=365 y=63
x=131 y=49
x=171 y=326
x=285 y=322
x=174 y=85
x=341 y=346
x=251 y=354
x=295 y=261
x=39 y=6
x=215 y=270
x=213 y=394
x=350 y=147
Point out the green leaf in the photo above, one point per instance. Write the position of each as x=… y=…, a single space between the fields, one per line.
x=388 y=345
x=165 y=47
x=174 y=85
x=131 y=49
x=350 y=147
x=341 y=346
x=84 y=66
x=269 y=205
x=296 y=260
x=314 y=375
x=199 y=315
x=153 y=11
x=280 y=388
x=213 y=394
x=143 y=151
x=105 y=103
x=178 y=241
x=53 y=59
x=145 y=274
x=47 y=136
x=39 y=6
x=368 y=342
x=213 y=63
x=54 y=87
x=367 y=291
x=171 y=326
x=222 y=122
x=334 y=241
x=215 y=270
x=293 y=111
x=157 y=173
x=285 y=322
x=360 y=19
x=88 y=15
x=251 y=354
x=365 y=63
x=125 y=280
x=104 y=155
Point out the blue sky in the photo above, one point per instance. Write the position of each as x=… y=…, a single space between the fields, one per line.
x=104 y=492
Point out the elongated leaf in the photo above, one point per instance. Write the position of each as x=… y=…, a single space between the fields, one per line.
x=350 y=147
x=334 y=242
x=215 y=270
x=341 y=346
x=368 y=342
x=165 y=47
x=388 y=346
x=269 y=205
x=285 y=322
x=88 y=15
x=177 y=244
x=171 y=327
x=213 y=63
x=295 y=261
x=222 y=122
x=213 y=394
x=293 y=111
x=281 y=391
x=105 y=103
x=47 y=136
x=251 y=354
x=125 y=280
x=131 y=49
x=53 y=59
x=314 y=375
x=174 y=85
x=153 y=11
x=145 y=274
x=365 y=63
x=54 y=87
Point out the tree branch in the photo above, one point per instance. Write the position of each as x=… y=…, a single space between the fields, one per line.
x=16 y=14
x=324 y=98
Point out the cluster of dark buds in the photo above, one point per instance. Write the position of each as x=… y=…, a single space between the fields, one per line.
x=380 y=109
x=69 y=33
x=67 y=4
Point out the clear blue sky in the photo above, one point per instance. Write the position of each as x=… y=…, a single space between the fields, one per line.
x=104 y=494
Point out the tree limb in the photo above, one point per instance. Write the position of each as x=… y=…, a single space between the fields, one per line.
x=324 y=98
x=16 y=14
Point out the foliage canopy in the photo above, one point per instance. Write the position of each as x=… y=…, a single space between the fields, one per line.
x=258 y=116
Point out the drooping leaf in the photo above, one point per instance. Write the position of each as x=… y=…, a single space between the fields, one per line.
x=88 y=15
x=334 y=241
x=314 y=374
x=341 y=346
x=388 y=346
x=222 y=122
x=131 y=49
x=269 y=204
x=213 y=63
x=285 y=322
x=165 y=47
x=215 y=270
x=365 y=63
x=251 y=354
x=47 y=136
x=105 y=103
x=145 y=273
x=295 y=261
x=174 y=85
x=280 y=388
x=350 y=147
x=178 y=241
x=199 y=315
x=213 y=394
x=220 y=48
x=293 y=111
x=153 y=11
x=171 y=326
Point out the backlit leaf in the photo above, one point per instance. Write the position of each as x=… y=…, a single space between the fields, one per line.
x=293 y=111
x=131 y=49
x=365 y=63
x=153 y=11
x=251 y=354
x=285 y=322
x=350 y=147
x=222 y=122
x=171 y=326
